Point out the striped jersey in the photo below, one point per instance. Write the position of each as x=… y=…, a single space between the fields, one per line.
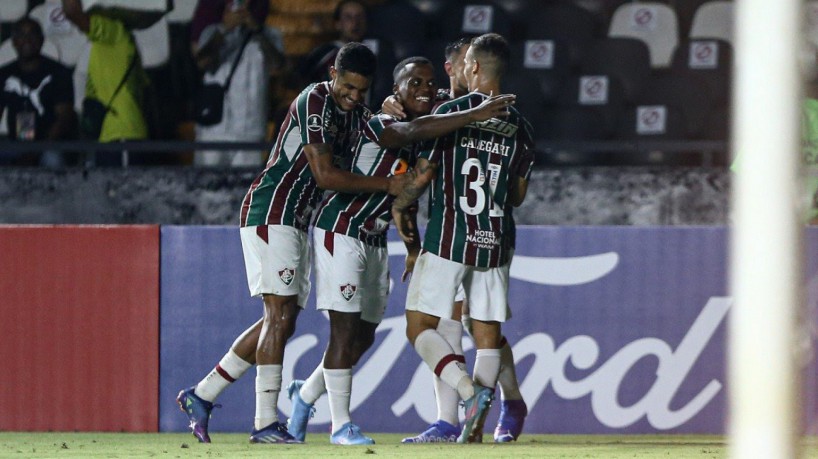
x=366 y=216
x=469 y=220
x=285 y=192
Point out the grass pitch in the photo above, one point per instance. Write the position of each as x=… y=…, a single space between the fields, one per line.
x=122 y=445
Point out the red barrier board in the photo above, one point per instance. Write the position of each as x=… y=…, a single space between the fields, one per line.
x=79 y=309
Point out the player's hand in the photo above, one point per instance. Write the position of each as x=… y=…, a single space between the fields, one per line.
x=396 y=183
x=494 y=107
x=403 y=225
x=391 y=106
x=411 y=258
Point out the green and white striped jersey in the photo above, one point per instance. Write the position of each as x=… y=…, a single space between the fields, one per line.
x=469 y=222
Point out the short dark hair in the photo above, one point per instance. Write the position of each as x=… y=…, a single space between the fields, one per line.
x=406 y=62
x=336 y=14
x=454 y=47
x=356 y=58
x=18 y=25
x=495 y=47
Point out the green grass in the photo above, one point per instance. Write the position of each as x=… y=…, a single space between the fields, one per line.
x=111 y=445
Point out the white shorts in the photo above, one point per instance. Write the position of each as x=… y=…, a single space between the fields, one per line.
x=277 y=261
x=435 y=280
x=351 y=276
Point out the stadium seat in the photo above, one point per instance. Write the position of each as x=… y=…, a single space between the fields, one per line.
x=684 y=92
x=713 y=20
x=564 y=22
x=407 y=40
x=717 y=124
x=628 y=59
x=12 y=10
x=58 y=29
x=685 y=10
x=530 y=101
x=154 y=44
x=544 y=64
x=8 y=53
x=654 y=23
x=651 y=122
x=576 y=123
x=472 y=18
x=709 y=60
x=182 y=11
x=603 y=93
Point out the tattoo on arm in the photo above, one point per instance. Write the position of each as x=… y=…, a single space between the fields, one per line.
x=415 y=185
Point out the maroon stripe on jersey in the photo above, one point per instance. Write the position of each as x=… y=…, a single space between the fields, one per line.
x=449 y=202
x=447 y=360
x=351 y=211
x=329 y=242
x=470 y=250
x=261 y=231
x=279 y=200
x=224 y=374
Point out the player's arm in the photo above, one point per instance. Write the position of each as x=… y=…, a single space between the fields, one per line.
x=517 y=189
x=432 y=126
x=329 y=177
x=417 y=182
x=413 y=246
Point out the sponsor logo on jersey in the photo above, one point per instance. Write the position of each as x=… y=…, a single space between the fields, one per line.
x=483 y=238
x=287 y=275
x=348 y=291
x=497 y=126
x=374 y=227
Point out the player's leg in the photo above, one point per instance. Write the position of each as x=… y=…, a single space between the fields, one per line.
x=486 y=289
x=281 y=256
x=430 y=296
x=447 y=426
x=197 y=401
x=513 y=409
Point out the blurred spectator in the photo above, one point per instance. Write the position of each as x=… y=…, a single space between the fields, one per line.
x=37 y=93
x=350 y=23
x=116 y=78
x=236 y=45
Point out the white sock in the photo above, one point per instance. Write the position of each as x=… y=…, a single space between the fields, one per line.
x=486 y=367
x=268 y=385
x=314 y=387
x=507 y=379
x=230 y=368
x=446 y=396
x=442 y=360
x=339 y=388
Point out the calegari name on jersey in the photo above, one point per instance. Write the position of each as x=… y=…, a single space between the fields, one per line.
x=469 y=220
x=366 y=216
x=285 y=192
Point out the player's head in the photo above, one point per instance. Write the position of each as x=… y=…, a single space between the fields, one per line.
x=352 y=74
x=454 y=53
x=350 y=20
x=415 y=85
x=27 y=38
x=487 y=58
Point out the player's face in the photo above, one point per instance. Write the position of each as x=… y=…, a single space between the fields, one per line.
x=351 y=22
x=348 y=88
x=458 y=65
x=468 y=68
x=416 y=88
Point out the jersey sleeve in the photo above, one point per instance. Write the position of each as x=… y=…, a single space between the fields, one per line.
x=376 y=125
x=312 y=117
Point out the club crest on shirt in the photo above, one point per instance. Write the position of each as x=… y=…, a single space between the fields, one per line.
x=348 y=291
x=286 y=275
